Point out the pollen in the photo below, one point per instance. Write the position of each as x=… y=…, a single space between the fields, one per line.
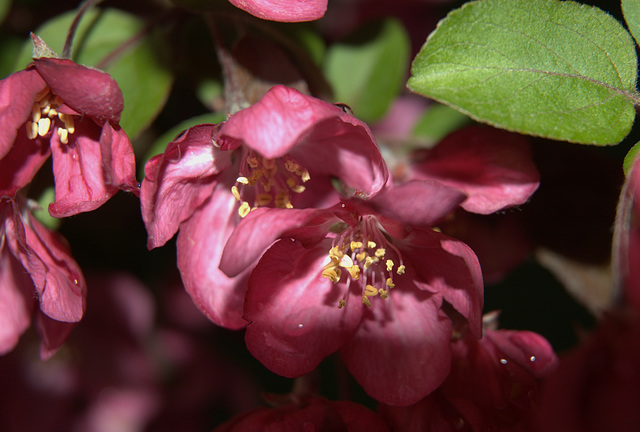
x=45 y=116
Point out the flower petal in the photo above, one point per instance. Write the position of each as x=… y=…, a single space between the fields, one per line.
x=493 y=167
x=179 y=181
x=400 y=352
x=90 y=92
x=52 y=334
x=293 y=310
x=17 y=95
x=21 y=163
x=284 y=10
x=199 y=246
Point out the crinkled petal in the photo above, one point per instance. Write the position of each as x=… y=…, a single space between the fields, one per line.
x=52 y=334
x=16 y=301
x=284 y=10
x=179 y=181
x=199 y=246
x=400 y=352
x=257 y=232
x=318 y=135
x=17 y=96
x=80 y=184
x=45 y=256
x=293 y=310
x=447 y=266
x=421 y=203
x=118 y=159
x=493 y=167
x=90 y=92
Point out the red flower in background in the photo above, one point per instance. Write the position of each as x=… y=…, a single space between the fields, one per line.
x=36 y=268
x=368 y=278
x=71 y=112
x=283 y=152
x=283 y=10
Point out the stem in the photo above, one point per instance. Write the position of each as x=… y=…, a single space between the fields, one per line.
x=84 y=6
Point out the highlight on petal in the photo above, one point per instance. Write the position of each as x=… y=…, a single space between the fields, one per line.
x=401 y=352
x=90 y=92
x=493 y=167
x=179 y=181
x=292 y=310
x=284 y=10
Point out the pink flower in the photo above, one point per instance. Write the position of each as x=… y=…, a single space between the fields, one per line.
x=382 y=288
x=71 y=112
x=493 y=167
x=313 y=415
x=283 y=10
x=284 y=152
x=494 y=385
x=35 y=262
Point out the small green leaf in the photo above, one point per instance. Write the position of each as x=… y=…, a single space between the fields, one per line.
x=631 y=12
x=438 y=122
x=108 y=39
x=367 y=69
x=630 y=158
x=560 y=70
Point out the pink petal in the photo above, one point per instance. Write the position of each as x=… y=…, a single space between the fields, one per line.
x=422 y=203
x=52 y=334
x=284 y=10
x=257 y=232
x=80 y=184
x=400 y=352
x=200 y=243
x=17 y=96
x=493 y=167
x=16 y=301
x=293 y=310
x=447 y=266
x=21 y=163
x=179 y=181
x=90 y=92
x=118 y=159
x=529 y=350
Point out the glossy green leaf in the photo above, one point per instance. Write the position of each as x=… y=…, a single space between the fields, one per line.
x=560 y=70
x=630 y=158
x=367 y=69
x=631 y=12
x=115 y=42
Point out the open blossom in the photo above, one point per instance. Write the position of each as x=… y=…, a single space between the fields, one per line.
x=368 y=278
x=36 y=263
x=58 y=108
x=285 y=152
x=283 y=10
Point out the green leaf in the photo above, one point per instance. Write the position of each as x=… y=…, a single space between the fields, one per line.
x=160 y=144
x=5 y=5
x=438 y=122
x=42 y=211
x=560 y=70
x=114 y=41
x=367 y=70
x=630 y=158
x=631 y=12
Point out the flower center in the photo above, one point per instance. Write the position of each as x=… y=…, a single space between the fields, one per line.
x=44 y=113
x=367 y=256
x=268 y=182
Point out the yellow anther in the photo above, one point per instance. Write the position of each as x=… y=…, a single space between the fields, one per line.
x=236 y=193
x=43 y=126
x=243 y=180
x=361 y=256
x=336 y=252
x=35 y=113
x=58 y=101
x=304 y=176
x=390 y=283
x=291 y=166
x=355 y=245
x=366 y=301
x=283 y=200
x=266 y=184
x=64 y=135
x=291 y=182
x=68 y=122
x=43 y=103
x=380 y=252
x=390 y=264
x=369 y=261
x=354 y=271
x=32 y=130
x=332 y=273
x=341 y=303
x=244 y=209
x=52 y=113
x=252 y=161
x=400 y=269
x=42 y=94
x=370 y=291
x=383 y=293
x=298 y=189
x=371 y=244
x=263 y=199
x=346 y=261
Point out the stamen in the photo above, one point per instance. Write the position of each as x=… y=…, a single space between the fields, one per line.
x=244 y=209
x=64 y=135
x=43 y=126
x=236 y=193
x=32 y=130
